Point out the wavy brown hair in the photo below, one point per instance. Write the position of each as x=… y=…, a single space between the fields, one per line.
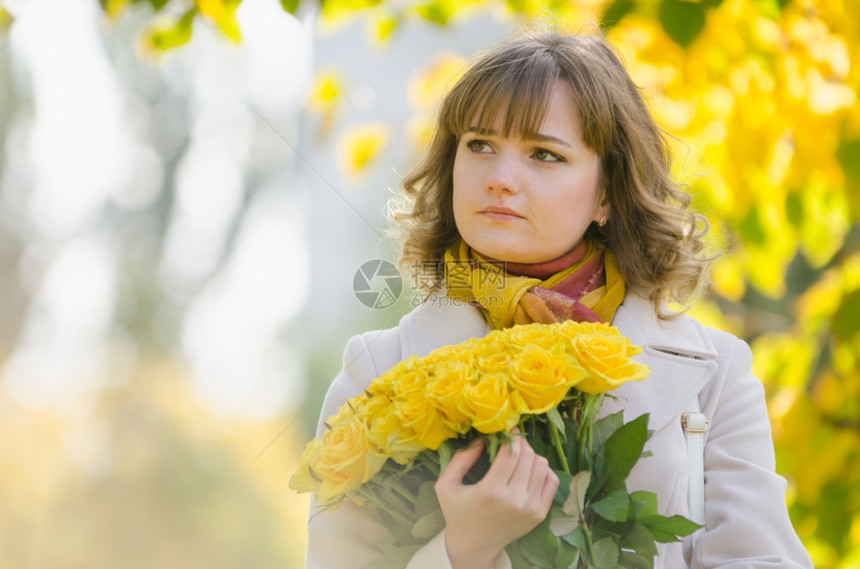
x=656 y=239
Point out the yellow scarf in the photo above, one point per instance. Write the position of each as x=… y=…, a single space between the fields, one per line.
x=506 y=300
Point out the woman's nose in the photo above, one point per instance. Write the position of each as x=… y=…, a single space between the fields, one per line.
x=504 y=176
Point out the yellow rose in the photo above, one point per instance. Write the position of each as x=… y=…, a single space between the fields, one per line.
x=494 y=362
x=445 y=353
x=488 y=405
x=607 y=361
x=539 y=335
x=304 y=480
x=540 y=379
x=409 y=382
x=372 y=406
x=495 y=341
x=346 y=411
x=446 y=388
x=427 y=421
x=344 y=460
x=572 y=329
x=384 y=384
x=394 y=440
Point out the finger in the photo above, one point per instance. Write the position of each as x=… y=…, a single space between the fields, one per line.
x=538 y=478
x=522 y=473
x=504 y=464
x=551 y=483
x=459 y=465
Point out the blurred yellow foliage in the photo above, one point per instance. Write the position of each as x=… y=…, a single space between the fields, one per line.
x=112 y=8
x=144 y=476
x=432 y=81
x=326 y=98
x=361 y=145
x=383 y=24
x=166 y=31
x=223 y=15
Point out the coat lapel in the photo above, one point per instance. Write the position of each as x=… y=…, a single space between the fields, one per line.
x=682 y=360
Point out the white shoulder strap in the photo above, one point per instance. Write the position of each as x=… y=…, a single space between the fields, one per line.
x=695 y=424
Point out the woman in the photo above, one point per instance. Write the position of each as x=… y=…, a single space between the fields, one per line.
x=545 y=195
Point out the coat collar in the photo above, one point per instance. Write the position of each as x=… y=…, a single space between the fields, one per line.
x=679 y=352
x=682 y=360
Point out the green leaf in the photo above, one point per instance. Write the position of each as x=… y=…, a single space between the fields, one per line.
x=427 y=500
x=605 y=427
x=575 y=503
x=571 y=447
x=567 y=556
x=640 y=540
x=668 y=530
x=557 y=422
x=683 y=21
x=560 y=523
x=648 y=501
x=846 y=319
x=630 y=560
x=614 y=13
x=575 y=538
x=429 y=525
x=445 y=454
x=623 y=450
x=290 y=5
x=606 y=554
x=540 y=546
x=516 y=557
x=598 y=532
x=613 y=507
x=563 y=487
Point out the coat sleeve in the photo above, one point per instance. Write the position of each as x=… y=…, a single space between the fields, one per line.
x=345 y=538
x=747 y=523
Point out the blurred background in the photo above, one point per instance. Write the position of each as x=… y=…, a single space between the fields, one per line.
x=188 y=187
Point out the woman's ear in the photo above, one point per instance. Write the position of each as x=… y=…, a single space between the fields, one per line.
x=603 y=211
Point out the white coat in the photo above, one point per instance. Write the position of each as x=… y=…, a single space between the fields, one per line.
x=747 y=525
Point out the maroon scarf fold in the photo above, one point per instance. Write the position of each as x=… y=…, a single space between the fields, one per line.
x=563 y=299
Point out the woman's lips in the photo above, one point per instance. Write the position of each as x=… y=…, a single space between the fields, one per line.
x=501 y=213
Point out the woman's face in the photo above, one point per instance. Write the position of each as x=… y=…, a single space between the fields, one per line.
x=528 y=200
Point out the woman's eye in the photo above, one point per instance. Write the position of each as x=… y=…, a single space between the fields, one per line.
x=547 y=156
x=478 y=146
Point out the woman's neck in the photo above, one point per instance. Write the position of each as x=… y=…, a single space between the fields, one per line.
x=544 y=269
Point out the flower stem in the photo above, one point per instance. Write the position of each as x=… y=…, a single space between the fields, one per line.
x=589 y=544
x=556 y=441
x=377 y=501
x=585 y=433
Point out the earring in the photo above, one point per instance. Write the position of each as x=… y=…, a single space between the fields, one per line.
x=602 y=221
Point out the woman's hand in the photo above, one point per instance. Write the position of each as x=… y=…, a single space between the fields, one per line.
x=511 y=500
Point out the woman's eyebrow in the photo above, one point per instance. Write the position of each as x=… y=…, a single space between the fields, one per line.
x=532 y=136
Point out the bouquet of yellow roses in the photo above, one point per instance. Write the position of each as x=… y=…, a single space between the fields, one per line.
x=386 y=447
